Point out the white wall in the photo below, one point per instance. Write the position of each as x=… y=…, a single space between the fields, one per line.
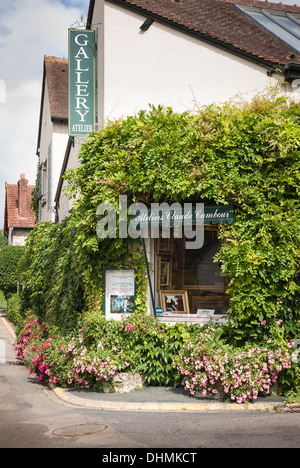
x=161 y=66
x=46 y=126
x=19 y=236
x=164 y=66
x=45 y=140
x=56 y=134
x=65 y=204
x=59 y=143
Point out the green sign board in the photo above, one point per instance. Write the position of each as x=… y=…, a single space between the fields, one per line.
x=81 y=82
x=218 y=214
x=176 y=216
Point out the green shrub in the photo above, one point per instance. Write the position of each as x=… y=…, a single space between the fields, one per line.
x=98 y=348
x=139 y=343
x=197 y=357
x=3 y=303
x=13 y=313
x=3 y=240
x=239 y=374
x=9 y=258
x=52 y=275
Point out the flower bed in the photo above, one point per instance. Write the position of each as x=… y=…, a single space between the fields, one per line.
x=198 y=357
x=65 y=361
x=232 y=373
x=92 y=356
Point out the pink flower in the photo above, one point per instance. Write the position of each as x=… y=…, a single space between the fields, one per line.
x=129 y=327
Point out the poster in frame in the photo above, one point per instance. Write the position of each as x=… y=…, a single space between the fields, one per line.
x=120 y=293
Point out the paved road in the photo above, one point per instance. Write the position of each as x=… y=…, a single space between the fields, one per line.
x=31 y=415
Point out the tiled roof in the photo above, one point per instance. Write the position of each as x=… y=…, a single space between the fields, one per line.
x=57 y=78
x=18 y=212
x=219 y=22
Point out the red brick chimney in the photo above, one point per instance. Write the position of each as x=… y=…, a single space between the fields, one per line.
x=22 y=196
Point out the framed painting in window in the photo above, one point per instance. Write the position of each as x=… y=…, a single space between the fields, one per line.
x=175 y=302
x=164 y=273
x=163 y=246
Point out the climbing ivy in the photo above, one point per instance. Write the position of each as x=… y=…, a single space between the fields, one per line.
x=246 y=155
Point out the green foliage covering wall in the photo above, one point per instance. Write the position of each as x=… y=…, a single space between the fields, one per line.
x=65 y=273
x=53 y=281
x=245 y=155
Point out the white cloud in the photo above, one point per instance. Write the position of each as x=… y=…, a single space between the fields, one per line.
x=29 y=29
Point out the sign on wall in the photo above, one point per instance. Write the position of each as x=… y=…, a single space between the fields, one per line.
x=178 y=215
x=119 y=297
x=81 y=82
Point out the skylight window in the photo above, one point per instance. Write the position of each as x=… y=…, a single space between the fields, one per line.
x=284 y=26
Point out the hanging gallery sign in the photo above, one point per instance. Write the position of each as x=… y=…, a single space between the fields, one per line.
x=81 y=82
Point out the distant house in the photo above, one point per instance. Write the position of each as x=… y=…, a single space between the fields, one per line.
x=19 y=217
x=52 y=133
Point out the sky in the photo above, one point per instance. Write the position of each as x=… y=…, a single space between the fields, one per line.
x=29 y=29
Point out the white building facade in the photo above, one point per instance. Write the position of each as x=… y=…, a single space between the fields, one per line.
x=52 y=134
x=182 y=54
x=164 y=53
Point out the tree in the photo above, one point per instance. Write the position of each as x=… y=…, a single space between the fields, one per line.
x=9 y=258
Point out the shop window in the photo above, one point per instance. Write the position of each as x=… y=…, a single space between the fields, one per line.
x=190 y=281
